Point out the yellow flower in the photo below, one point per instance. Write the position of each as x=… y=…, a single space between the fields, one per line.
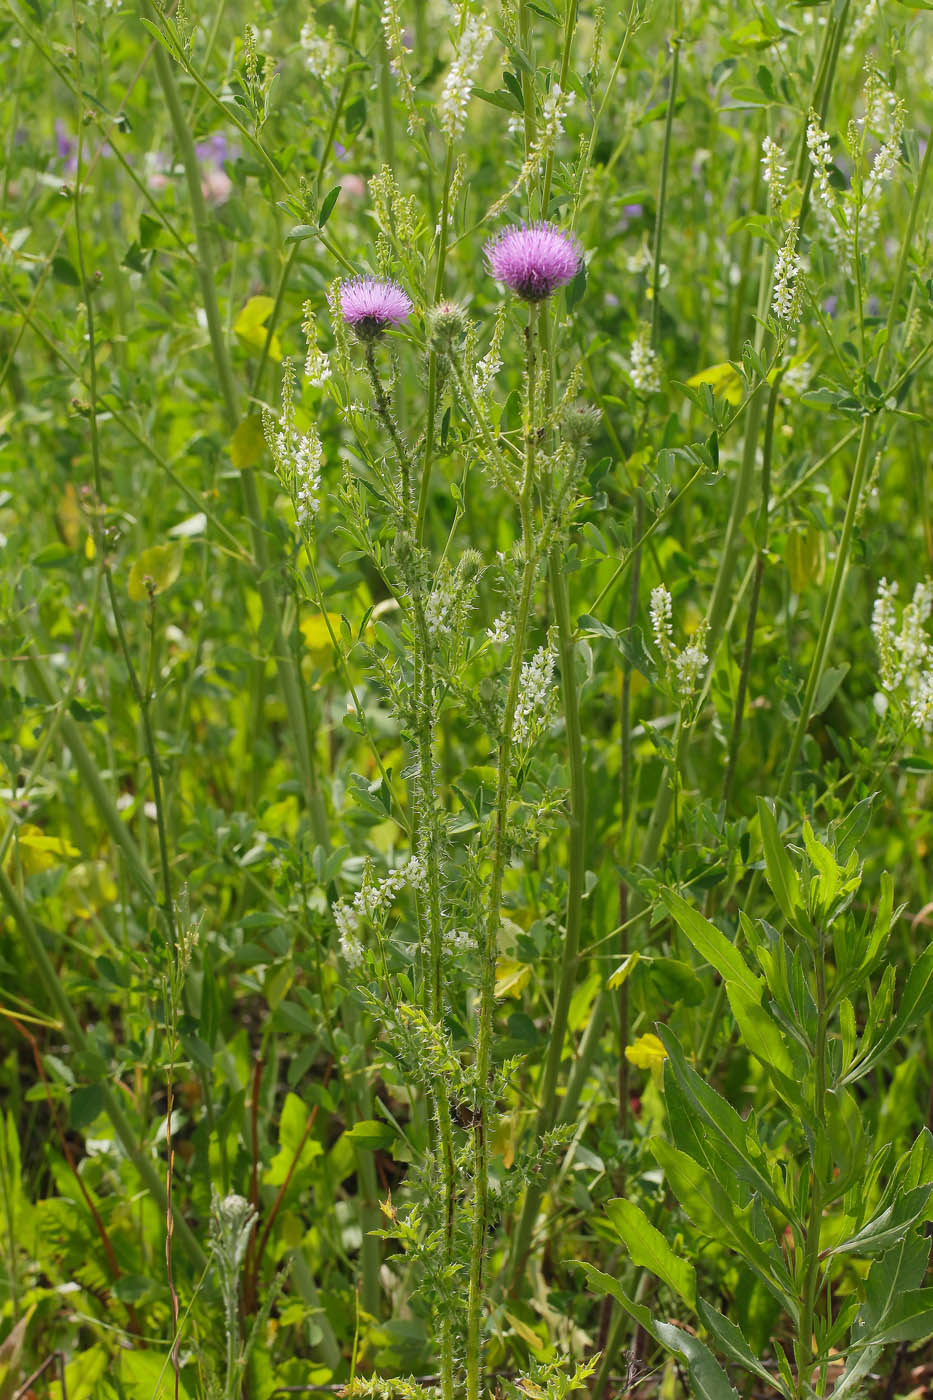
x=647 y=1053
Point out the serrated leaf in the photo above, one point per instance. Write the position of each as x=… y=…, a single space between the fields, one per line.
x=710 y=1381
x=888 y=1227
x=649 y=1249
x=732 y=1343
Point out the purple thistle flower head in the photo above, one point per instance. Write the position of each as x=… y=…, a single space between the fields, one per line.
x=534 y=260
x=371 y=304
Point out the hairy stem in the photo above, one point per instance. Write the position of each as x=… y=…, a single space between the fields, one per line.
x=494 y=908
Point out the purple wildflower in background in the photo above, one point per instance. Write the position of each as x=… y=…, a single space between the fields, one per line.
x=534 y=260
x=371 y=304
x=65 y=147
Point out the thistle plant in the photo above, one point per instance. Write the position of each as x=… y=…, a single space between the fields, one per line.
x=452 y=466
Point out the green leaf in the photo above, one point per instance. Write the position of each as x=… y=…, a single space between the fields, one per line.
x=650 y=1250
x=830 y=681
x=710 y=1381
x=888 y=1227
x=632 y=646
x=248 y=443
x=64 y=272
x=711 y=944
x=718 y=1214
x=895 y=1273
x=825 y=862
x=297 y=1149
x=762 y=1035
x=731 y=1341
x=675 y=980
x=576 y=287
x=299 y=232
x=910 y=1319
x=917 y=996
x=785 y=885
x=369 y=1134
x=605 y=1284
x=85 y=1105
x=289 y=1016
x=327 y=207
x=504 y=99
x=712 y=1111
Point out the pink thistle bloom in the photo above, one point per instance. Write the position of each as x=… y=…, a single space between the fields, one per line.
x=534 y=260
x=371 y=304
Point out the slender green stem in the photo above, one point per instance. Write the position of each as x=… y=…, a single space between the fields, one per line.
x=429 y=843
x=576 y=843
x=152 y=758
x=840 y=569
x=286 y=663
x=762 y=550
x=907 y=243
x=494 y=905
x=811 y=1260
x=341 y=98
x=662 y=193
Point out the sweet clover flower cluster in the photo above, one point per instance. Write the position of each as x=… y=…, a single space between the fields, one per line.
x=643 y=368
x=905 y=651
x=685 y=667
x=371 y=903
x=317 y=365
x=296 y=456
x=534 y=695
x=458 y=85
x=851 y=216
x=320 y=50
x=785 y=302
x=774 y=161
x=447 y=607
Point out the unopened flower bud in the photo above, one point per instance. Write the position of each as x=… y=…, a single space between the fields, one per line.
x=446 y=325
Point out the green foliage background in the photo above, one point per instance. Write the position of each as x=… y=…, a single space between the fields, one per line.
x=182 y=539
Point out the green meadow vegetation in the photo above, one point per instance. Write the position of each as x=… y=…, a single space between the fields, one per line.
x=466 y=714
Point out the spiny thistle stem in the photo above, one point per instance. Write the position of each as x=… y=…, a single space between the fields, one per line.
x=432 y=357
x=387 y=418
x=428 y=836
x=494 y=909
x=425 y=831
